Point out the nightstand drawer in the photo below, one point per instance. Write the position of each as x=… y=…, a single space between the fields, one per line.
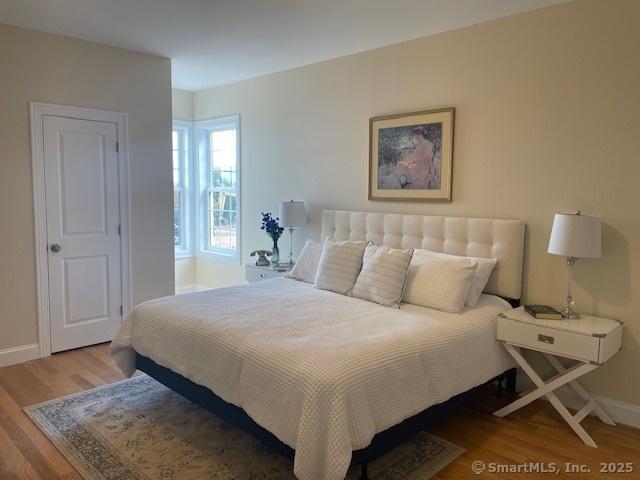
x=262 y=275
x=566 y=344
x=254 y=273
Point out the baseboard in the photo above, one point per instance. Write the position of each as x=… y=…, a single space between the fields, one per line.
x=11 y=356
x=190 y=289
x=620 y=412
x=186 y=289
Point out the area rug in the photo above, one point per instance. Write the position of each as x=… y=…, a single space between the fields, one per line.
x=138 y=429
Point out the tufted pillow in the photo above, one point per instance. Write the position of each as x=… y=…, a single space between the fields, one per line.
x=439 y=282
x=383 y=275
x=307 y=263
x=480 y=278
x=339 y=265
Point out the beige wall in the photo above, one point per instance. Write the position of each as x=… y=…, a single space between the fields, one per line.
x=185 y=275
x=212 y=274
x=48 y=68
x=198 y=273
x=547 y=108
x=182 y=104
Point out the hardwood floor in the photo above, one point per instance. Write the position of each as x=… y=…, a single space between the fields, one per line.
x=533 y=434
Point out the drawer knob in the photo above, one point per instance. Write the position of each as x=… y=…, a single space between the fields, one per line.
x=545 y=339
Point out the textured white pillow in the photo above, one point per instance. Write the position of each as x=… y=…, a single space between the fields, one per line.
x=339 y=265
x=480 y=278
x=438 y=282
x=307 y=263
x=383 y=275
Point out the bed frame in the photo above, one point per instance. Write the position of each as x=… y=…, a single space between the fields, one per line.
x=380 y=444
x=499 y=239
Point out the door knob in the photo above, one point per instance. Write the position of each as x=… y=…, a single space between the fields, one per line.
x=55 y=247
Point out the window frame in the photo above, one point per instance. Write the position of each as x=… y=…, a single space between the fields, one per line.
x=185 y=130
x=202 y=130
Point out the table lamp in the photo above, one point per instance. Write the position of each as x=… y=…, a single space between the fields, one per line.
x=575 y=236
x=292 y=214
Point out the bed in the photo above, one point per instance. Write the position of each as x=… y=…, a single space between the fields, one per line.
x=335 y=379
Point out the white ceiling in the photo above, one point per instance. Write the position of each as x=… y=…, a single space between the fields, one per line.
x=213 y=42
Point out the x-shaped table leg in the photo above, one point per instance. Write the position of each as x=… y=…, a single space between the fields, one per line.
x=579 y=389
x=565 y=376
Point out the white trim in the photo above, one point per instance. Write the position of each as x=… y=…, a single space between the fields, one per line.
x=38 y=111
x=11 y=356
x=186 y=289
x=620 y=412
x=190 y=289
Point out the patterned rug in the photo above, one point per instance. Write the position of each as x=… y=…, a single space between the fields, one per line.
x=138 y=429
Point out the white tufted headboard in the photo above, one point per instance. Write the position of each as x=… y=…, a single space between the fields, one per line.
x=476 y=237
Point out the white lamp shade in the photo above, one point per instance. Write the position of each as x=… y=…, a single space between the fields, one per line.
x=292 y=214
x=576 y=236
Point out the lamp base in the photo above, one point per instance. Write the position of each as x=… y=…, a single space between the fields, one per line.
x=291 y=262
x=570 y=314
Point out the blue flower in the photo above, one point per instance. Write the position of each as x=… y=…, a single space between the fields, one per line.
x=271 y=225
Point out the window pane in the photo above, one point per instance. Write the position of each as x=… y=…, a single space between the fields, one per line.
x=184 y=192
x=175 y=140
x=231 y=202
x=214 y=201
x=215 y=177
x=177 y=218
x=223 y=140
x=222 y=177
x=222 y=159
x=176 y=160
x=222 y=220
x=223 y=235
x=227 y=179
x=228 y=201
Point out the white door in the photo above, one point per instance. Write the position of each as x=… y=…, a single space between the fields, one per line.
x=83 y=225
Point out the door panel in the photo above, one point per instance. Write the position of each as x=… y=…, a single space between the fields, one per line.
x=83 y=183
x=83 y=217
x=88 y=279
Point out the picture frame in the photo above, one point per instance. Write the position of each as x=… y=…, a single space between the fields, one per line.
x=411 y=156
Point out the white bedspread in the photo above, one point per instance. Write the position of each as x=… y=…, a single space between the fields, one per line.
x=323 y=372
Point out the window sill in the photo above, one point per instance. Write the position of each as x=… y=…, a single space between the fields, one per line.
x=183 y=255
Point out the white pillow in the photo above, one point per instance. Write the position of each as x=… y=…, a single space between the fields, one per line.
x=438 y=282
x=339 y=265
x=481 y=277
x=307 y=263
x=383 y=275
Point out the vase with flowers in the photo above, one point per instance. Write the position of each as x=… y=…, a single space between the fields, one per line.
x=272 y=228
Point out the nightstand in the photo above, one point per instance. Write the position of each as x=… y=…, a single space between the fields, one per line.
x=253 y=273
x=589 y=340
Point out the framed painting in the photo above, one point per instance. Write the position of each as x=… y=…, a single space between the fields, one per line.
x=411 y=156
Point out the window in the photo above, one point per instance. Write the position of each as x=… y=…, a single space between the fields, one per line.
x=206 y=188
x=219 y=182
x=182 y=188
